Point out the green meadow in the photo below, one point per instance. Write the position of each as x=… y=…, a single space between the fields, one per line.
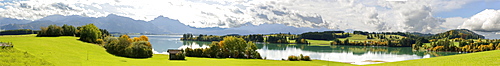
x=68 y=51
x=486 y=58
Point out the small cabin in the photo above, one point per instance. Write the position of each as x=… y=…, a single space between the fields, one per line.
x=172 y=53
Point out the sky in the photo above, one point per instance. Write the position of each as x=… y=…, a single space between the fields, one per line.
x=425 y=16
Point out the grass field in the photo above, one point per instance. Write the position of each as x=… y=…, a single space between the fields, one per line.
x=487 y=58
x=14 y=57
x=318 y=41
x=68 y=51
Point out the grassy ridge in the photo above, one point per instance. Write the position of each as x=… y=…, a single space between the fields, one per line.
x=486 y=58
x=14 y=57
x=68 y=51
x=353 y=37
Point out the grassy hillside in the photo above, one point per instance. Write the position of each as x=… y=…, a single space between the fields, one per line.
x=487 y=58
x=14 y=57
x=353 y=37
x=68 y=51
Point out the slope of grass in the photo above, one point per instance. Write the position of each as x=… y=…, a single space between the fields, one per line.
x=68 y=51
x=486 y=58
x=14 y=57
x=318 y=41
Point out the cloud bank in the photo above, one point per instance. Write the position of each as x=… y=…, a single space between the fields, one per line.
x=487 y=21
x=366 y=15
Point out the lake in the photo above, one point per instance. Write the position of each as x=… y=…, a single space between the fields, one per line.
x=340 y=53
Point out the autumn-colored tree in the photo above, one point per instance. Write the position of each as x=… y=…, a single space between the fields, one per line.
x=144 y=38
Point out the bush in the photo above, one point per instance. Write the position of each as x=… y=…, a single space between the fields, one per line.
x=307 y=58
x=99 y=41
x=179 y=56
x=293 y=58
x=299 y=58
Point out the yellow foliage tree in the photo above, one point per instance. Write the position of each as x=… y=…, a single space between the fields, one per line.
x=144 y=38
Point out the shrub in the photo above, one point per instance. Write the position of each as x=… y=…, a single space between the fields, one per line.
x=99 y=41
x=293 y=58
x=307 y=58
x=179 y=56
x=299 y=58
x=141 y=50
x=196 y=52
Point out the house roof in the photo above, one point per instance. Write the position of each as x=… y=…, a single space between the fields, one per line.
x=173 y=51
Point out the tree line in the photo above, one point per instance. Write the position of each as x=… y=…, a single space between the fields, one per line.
x=18 y=32
x=271 y=38
x=87 y=33
x=460 y=45
x=137 y=47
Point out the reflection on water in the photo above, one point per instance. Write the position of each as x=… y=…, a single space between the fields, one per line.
x=339 y=53
x=342 y=53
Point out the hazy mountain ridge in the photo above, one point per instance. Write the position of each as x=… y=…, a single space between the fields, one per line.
x=7 y=21
x=160 y=25
x=112 y=23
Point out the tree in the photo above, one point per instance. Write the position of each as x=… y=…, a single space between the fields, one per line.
x=90 y=33
x=301 y=41
x=54 y=30
x=234 y=45
x=417 y=45
x=68 y=30
x=43 y=32
x=346 y=42
x=104 y=33
x=144 y=38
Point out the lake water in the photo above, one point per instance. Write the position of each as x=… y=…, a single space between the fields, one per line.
x=340 y=53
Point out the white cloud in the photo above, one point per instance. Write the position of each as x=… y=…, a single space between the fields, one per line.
x=487 y=20
x=367 y=15
x=396 y=0
x=453 y=22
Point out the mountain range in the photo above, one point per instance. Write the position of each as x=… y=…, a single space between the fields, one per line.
x=160 y=25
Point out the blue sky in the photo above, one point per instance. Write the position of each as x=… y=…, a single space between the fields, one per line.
x=470 y=9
